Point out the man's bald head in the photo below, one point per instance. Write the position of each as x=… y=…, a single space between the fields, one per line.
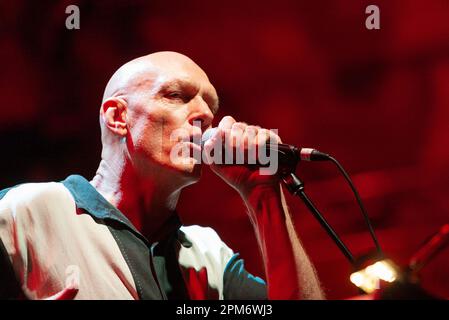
x=147 y=69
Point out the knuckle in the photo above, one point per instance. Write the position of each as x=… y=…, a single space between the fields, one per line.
x=238 y=126
x=229 y=119
x=264 y=132
x=226 y=122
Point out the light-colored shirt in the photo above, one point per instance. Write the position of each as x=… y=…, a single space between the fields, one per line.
x=57 y=232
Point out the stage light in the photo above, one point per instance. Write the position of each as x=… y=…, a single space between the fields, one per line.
x=368 y=279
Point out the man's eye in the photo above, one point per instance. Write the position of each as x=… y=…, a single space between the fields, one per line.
x=175 y=95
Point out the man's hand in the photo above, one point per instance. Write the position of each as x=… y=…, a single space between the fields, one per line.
x=242 y=137
x=289 y=272
x=65 y=294
x=69 y=292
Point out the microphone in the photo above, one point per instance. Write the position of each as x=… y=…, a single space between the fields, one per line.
x=285 y=151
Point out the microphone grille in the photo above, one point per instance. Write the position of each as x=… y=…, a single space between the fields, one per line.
x=207 y=135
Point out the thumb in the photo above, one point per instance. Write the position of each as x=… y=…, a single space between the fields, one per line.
x=65 y=294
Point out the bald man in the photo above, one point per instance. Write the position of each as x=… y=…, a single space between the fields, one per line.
x=119 y=236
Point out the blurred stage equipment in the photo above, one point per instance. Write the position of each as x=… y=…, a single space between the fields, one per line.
x=383 y=280
x=368 y=279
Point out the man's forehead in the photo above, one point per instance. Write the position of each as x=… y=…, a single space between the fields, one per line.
x=181 y=72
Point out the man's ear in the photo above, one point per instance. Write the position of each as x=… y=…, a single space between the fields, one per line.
x=113 y=112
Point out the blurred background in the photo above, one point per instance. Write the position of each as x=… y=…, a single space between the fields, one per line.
x=378 y=100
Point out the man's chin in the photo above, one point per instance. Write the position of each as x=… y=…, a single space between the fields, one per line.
x=192 y=170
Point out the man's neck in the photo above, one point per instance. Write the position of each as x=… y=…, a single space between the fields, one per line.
x=145 y=202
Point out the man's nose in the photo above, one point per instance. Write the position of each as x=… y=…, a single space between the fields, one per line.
x=201 y=112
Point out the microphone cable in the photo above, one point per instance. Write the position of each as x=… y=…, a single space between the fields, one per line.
x=359 y=201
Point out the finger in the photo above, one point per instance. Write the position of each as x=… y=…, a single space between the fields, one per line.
x=214 y=144
x=274 y=137
x=237 y=135
x=251 y=143
x=265 y=135
x=251 y=135
x=226 y=122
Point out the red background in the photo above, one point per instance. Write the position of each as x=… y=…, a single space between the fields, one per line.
x=378 y=100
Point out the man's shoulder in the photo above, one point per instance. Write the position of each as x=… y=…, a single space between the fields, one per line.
x=33 y=193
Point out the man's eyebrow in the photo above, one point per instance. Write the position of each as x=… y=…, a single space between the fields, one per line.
x=176 y=83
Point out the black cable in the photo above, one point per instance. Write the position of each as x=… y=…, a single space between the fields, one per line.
x=359 y=201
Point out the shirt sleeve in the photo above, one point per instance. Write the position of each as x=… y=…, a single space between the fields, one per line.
x=10 y=286
x=239 y=284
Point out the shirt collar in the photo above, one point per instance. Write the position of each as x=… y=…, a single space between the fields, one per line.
x=89 y=199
